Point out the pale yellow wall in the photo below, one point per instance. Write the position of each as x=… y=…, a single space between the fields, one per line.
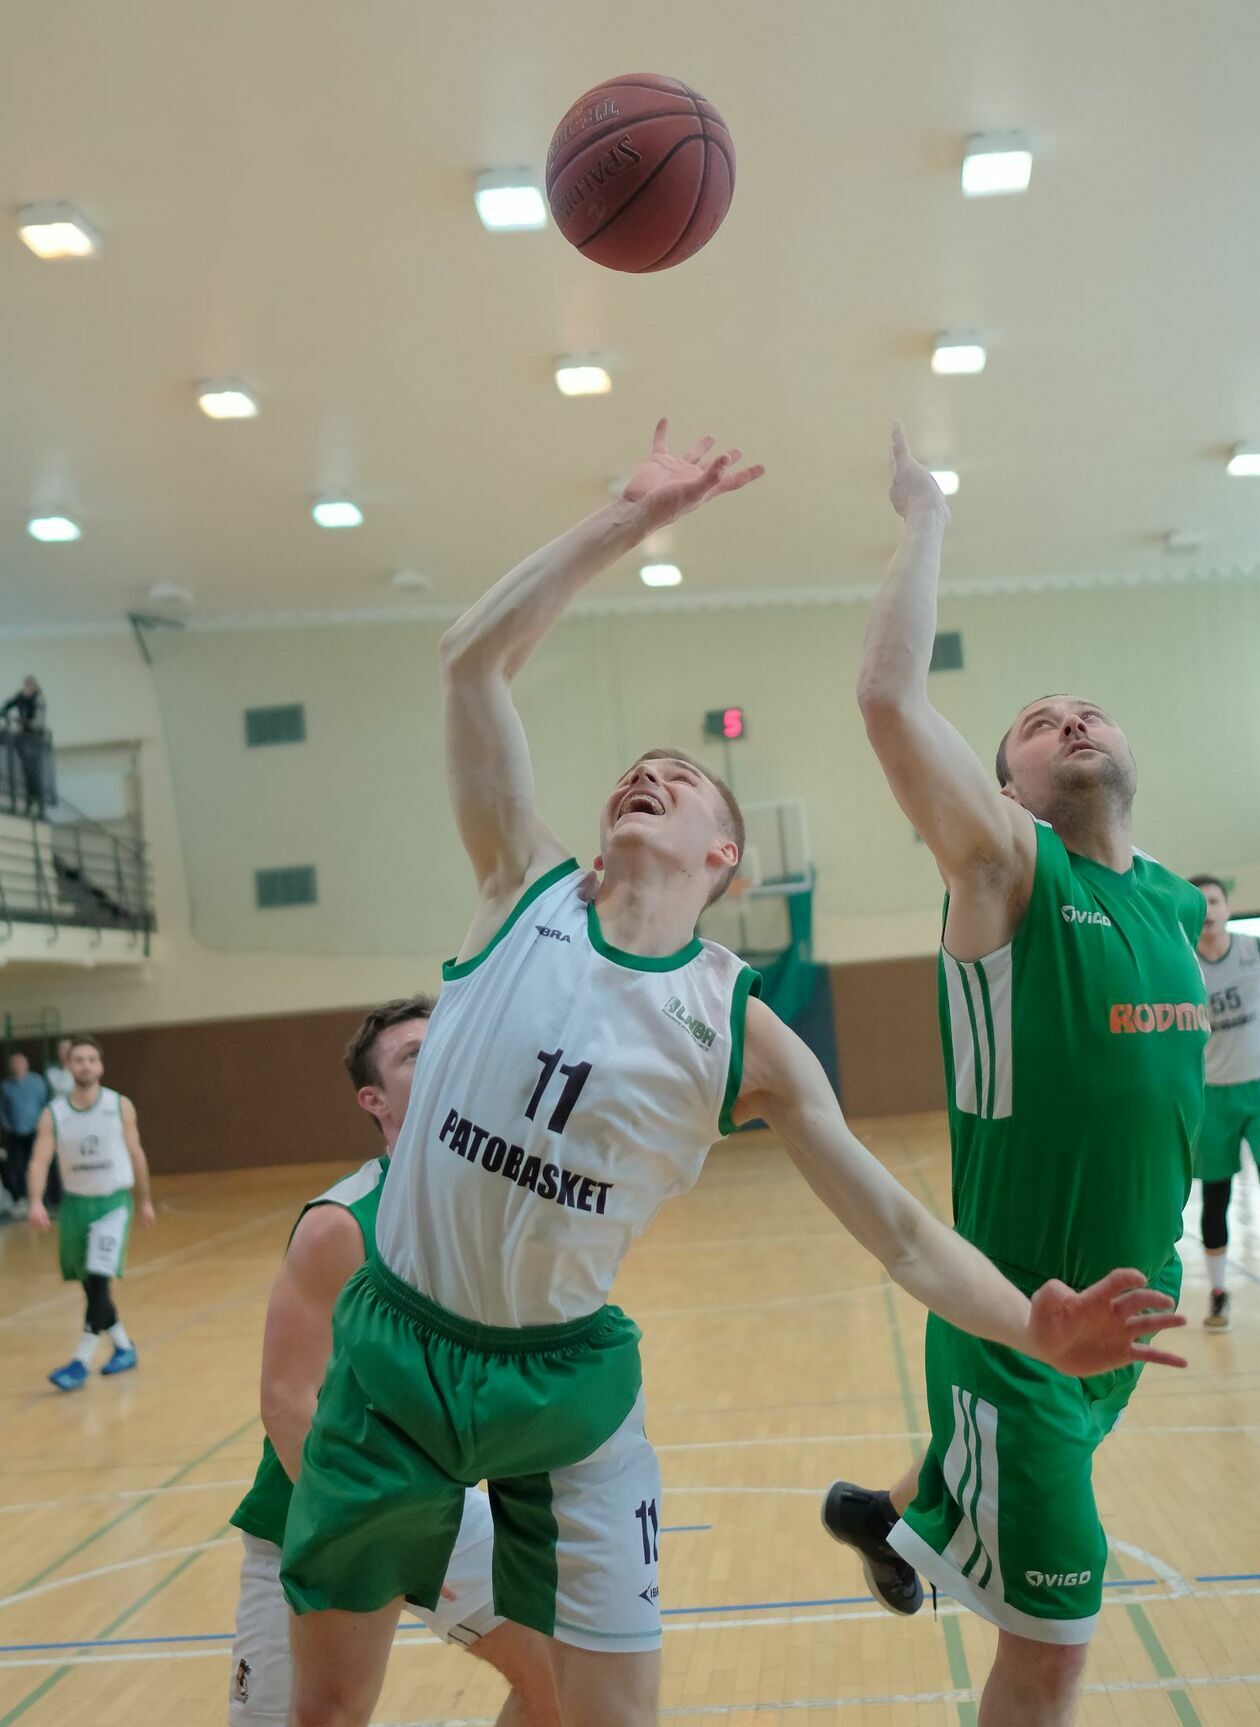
x=364 y=799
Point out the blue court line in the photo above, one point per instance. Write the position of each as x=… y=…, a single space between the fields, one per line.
x=682 y=1528
x=666 y=1612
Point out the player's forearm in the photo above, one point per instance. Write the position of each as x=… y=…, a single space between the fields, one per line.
x=140 y=1170
x=37 y=1172
x=287 y=1412
x=955 y=1281
x=902 y=626
x=506 y=624
x=923 y=1256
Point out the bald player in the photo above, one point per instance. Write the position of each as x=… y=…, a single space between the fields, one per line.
x=1074 y=1025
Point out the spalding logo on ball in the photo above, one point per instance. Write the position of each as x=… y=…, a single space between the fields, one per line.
x=640 y=173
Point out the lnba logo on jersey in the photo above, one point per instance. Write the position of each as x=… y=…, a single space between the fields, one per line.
x=703 y=1034
x=240 y=1681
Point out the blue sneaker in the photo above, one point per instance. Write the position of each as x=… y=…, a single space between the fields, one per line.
x=121 y=1361
x=70 y=1377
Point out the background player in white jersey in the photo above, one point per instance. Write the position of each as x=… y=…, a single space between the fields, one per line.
x=1231 y=975
x=327 y=1246
x=95 y=1138
x=580 y=1062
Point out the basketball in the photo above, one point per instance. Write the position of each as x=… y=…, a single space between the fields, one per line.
x=640 y=173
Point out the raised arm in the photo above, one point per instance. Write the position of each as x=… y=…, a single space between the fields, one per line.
x=487 y=757
x=139 y=1162
x=977 y=836
x=326 y=1249
x=1078 y=1333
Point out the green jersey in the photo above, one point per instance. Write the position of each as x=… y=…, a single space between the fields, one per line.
x=265 y=1508
x=1074 y=1065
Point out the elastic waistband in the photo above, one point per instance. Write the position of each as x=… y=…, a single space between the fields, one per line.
x=488 y=1339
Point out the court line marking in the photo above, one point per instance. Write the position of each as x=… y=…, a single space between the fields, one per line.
x=113 y=1522
x=159 y=1264
x=948 y=1609
x=1129 y=1430
x=125 y=1493
x=109 y=1570
x=756 y=1306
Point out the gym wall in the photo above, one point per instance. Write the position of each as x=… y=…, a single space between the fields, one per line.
x=363 y=799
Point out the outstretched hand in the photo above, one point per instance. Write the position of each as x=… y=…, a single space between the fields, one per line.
x=665 y=487
x=1093 y=1330
x=912 y=484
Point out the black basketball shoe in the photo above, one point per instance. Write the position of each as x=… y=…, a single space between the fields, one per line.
x=861 y=1519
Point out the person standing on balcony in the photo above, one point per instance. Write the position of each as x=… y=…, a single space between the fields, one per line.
x=22 y=1098
x=28 y=742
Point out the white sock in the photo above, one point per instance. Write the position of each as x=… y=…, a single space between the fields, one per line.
x=118 y=1335
x=1217 y=1267
x=86 y=1349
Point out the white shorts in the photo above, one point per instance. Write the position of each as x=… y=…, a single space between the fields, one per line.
x=607 y=1516
x=262 y=1669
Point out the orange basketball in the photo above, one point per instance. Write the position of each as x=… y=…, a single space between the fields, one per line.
x=640 y=173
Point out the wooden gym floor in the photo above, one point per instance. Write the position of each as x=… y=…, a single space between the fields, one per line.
x=777 y=1356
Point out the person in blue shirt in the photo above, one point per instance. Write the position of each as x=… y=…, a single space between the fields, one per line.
x=22 y=1099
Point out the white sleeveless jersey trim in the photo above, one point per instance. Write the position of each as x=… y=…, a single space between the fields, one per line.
x=92 y=1153
x=349 y=1192
x=1233 y=989
x=567 y=1090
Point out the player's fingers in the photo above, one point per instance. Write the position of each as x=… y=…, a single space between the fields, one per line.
x=898 y=444
x=1144 y=1322
x=731 y=456
x=660 y=437
x=699 y=449
x=1117 y=1282
x=1142 y=1301
x=1158 y=1357
x=745 y=477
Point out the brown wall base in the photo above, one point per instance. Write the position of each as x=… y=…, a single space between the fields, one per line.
x=239 y=1093
x=888 y=1038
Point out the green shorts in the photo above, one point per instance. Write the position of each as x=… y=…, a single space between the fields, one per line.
x=1005 y=1519
x=1231 y=1114
x=418 y=1405
x=92 y=1233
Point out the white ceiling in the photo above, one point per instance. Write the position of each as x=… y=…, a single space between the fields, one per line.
x=285 y=188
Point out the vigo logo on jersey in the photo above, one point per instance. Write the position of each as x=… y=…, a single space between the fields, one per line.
x=1057 y=1579
x=1078 y=914
x=1147 y=1016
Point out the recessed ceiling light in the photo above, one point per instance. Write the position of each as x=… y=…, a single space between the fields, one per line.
x=413 y=581
x=53 y=529
x=337 y=513
x=57 y=231
x=660 y=575
x=996 y=162
x=171 y=594
x=508 y=200
x=582 y=376
x=226 y=399
x=1245 y=461
x=946 y=479
x=958 y=354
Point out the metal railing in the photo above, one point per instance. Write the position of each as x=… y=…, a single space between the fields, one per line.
x=74 y=874
x=28 y=778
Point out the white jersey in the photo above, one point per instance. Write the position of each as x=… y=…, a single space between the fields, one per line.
x=566 y=1091
x=92 y=1154
x=1233 y=986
